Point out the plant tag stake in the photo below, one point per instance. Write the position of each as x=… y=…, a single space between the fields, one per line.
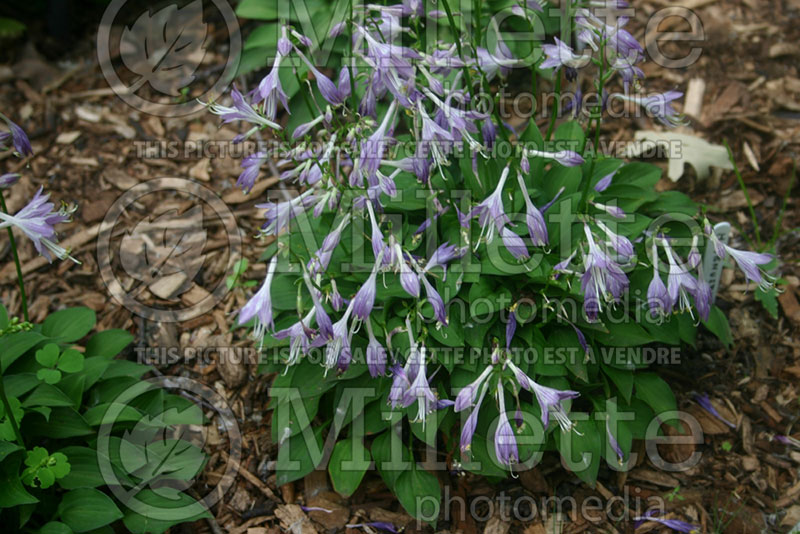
x=712 y=264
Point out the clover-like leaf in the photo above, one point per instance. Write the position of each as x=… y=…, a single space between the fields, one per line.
x=166 y=253
x=71 y=361
x=47 y=356
x=49 y=376
x=43 y=468
x=166 y=47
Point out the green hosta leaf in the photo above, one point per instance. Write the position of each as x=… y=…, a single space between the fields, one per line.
x=656 y=393
x=12 y=492
x=15 y=345
x=69 y=325
x=108 y=343
x=47 y=356
x=419 y=493
x=348 y=464
x=298 y=456
x=84 y=470
x=87 y=509
x=257 y=9
x=47 y=395
x=392 y=457
x=718 y=324
x=158 y=510
x=55 y=527
x=768 y=299
x=581 y=450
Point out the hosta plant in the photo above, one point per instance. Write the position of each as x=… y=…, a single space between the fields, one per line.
x=445 y=277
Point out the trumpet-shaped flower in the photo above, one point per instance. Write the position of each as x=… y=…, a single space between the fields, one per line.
x=37 y=220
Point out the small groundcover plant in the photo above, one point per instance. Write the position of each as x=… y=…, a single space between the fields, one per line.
x=66 y=464
x=445 y=287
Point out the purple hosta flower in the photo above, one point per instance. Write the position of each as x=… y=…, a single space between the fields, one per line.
x=491 y=210
x=705 y=402
x=260 y=305
x=658 y=105
x=400 y=384
x=749 y=263
x=468 y=430
x=514 y=244
x=302 y=39
x=511 y=326
x=524 y=164
x=657 y=297
x=550 y=400
x=694 y=259
x=612 y=441
x=621 y=244
x=337 y=351
x=326 y=87
x=442 y=256
x=505 y=441
x=322 y=258
x=420 y=390
x=242 y=111
x=787 y=440
x=346 y=77
x=603 y=183
x=563 y=265
x=373 y=147
x=674 y=524
x=378 y=243
x=37 y=221
x=680 y=283
x=251 y=165
x=567 y=158
x=376 y=354
x=581 y=339
x=489 y=133
x=380 y=525
x=306 y=127
x=602 y=280
x=278 y=215
x=365 y=297
x=561 y=55
x=533 y=5
x=335 y=298
x=369 y=103
x=270 y=91
x=627 y=69
x=19 y=138
x=490 y=64
x=8 y=179
x=702 y=295
x=435 y=299
x=466 y=397
x=533 y=217
x=323 y=321
x=614 y=211
x=434 y=140
x=299 y=335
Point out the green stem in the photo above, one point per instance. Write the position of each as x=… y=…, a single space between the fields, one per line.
x=746 y=194
x=10 y=414
x=598 y=119
x=22 y=294
x=554 y=109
